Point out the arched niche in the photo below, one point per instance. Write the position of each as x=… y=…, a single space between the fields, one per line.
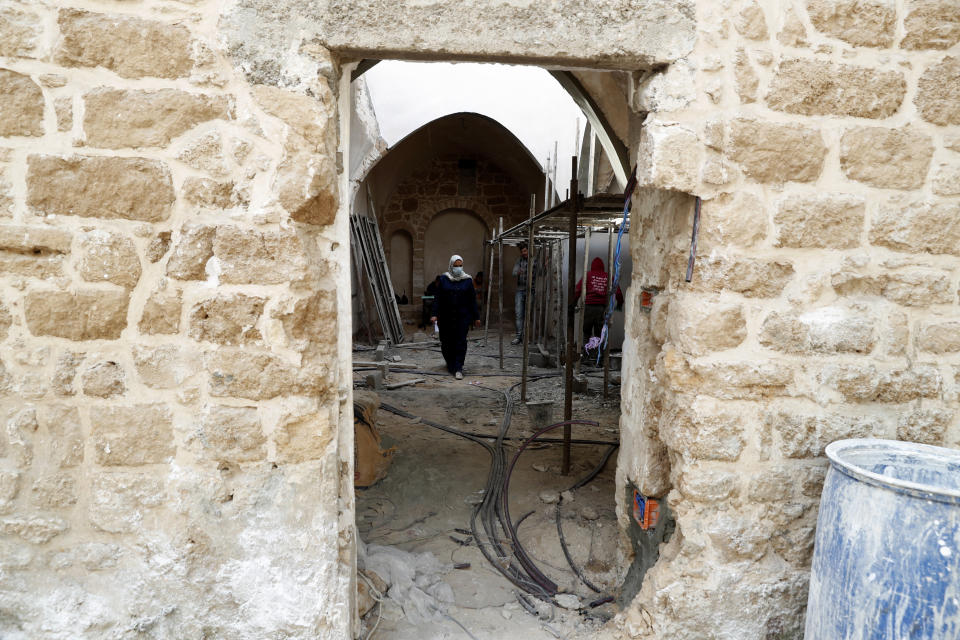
x=401 y=262
x=453 y=231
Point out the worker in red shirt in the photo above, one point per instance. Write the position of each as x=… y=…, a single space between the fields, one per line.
x=596 y=299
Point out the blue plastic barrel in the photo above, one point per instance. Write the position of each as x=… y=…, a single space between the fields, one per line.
x=886 y=561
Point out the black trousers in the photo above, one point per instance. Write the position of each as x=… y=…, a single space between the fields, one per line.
x=453 y=343
x=593 y=320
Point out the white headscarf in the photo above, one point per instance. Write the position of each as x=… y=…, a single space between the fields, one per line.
x=449 y=273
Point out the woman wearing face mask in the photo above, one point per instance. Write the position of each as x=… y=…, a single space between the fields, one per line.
x=454 y=309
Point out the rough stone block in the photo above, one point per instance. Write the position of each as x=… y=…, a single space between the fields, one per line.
x=20 y=32
x=737 y=539
x=306 y=182
x=158 y=247
x=806 y=435
x=776 y=153
x=709 y=485
x=919 y=288
x=84 y=315
x=669 y=90
x=906 y=385
x=91 y=556
x=259 y=257
x=249 y=374
x=9 y=488
x=192 y=250
x=206 y=154
x=306 y=186
x=772 y=486
x=727 y=380
x=229 y=319
x=33 y=251
x=161 y=314
x=817 y=88
x=793 y=34
x=63 y=107
x=21 y=105
x=119 y=501
x=54 y=491
x=745 y=78
x=117 y=118
x=211 y=194
x=312 y=323
x=62 y=424
x=946 y=180
x=64 y=373
x=232 y=434
x=33 y=529
x=917 y=226
x=863 y=383
x=926 y=426
x=130 y=47
x=752 y=277
x=931 y=24
x=938 y=92
x=826 y=221
x=104 y=379
x=824 y=330
x=705 y=327
x=886 y=158
x=862 y=24
x=99 y=187
x=164 y=367
x=751 y=22
x=939 y=336
x=735 y=219
x=668 y=157
x=705 y=431
x=109 y=257
x=132 y=435
x=304 y=435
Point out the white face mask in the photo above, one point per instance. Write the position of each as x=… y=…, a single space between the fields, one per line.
x=457 y=271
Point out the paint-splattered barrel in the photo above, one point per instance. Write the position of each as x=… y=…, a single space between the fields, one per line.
x=886 y=562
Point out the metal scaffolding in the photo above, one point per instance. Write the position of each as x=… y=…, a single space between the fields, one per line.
x=544 y=234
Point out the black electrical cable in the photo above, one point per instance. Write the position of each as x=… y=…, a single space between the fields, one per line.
x=563 y=541
x=487 y=436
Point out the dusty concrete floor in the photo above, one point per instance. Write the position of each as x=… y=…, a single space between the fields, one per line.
x=436 y=478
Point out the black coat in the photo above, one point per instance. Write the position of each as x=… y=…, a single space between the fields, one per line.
x=455 y=303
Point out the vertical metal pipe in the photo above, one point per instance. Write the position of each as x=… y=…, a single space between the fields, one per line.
x=583 y=292
x=553 y=177
x=606 y=349
x=571 y=286
x=546 y=184
x=527 y=301
x=489 y=279
x=500 y=290
x=558 y=306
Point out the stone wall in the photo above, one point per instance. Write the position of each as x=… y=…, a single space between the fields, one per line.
x=176 y=455
x=822 y=136
x=436 y=188
x=169 y=389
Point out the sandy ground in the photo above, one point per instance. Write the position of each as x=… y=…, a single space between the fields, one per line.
x=436 y=479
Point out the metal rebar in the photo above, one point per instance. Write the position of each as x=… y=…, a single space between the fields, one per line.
x=610 y=292
x=583 y=293
x=500 y=292
x=489 y=279
x=527 y=302
x=571 y=287
x=693 y=239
